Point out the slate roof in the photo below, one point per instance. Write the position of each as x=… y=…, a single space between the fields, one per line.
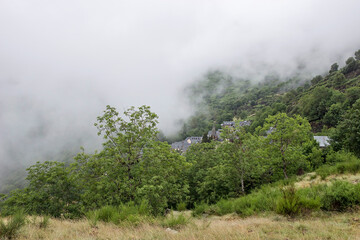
x=217 y=134
x=232 y=123
x=323 y=141
x=184 y=145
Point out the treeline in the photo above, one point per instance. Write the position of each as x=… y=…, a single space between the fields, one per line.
x=134 y=167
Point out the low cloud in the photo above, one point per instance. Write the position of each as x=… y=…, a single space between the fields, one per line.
x=62 y=62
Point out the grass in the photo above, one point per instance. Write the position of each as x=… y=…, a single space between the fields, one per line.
x=9 y=229
x=271 y=226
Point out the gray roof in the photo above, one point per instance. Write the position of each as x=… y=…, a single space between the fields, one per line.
x=184 y=145
x=232 y=123
x=323 y=141
x=217 y=134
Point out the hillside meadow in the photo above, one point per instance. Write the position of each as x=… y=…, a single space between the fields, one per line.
x=320 y=226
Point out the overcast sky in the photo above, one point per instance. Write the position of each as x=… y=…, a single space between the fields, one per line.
x=62 y=61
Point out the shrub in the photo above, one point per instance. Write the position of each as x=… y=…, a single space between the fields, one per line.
x=243 y=206
x=108 y=214
x=325 y=171
x=44 y=223
x=340 y=156
x=127 y=213
x=340 y=196
x=289 y=204
x=181 y=206
x=10 y=229
x=93 y=218
x=224 y=207
x=348 y=167
x=200 y=208
x=175 y=222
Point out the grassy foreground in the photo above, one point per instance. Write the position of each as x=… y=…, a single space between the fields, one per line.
x=319 y=226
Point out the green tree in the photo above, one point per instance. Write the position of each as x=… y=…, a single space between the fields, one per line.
x=357 y=55
x=350 y=66
x=133 y=165
x=315 y=104
x=285 y=139
x=347 y=134
x=52 y=190
x=316 y=79
x=334 y=68
x=337 y=79
x=204 y=158
x=334 y=115
x=240 y=150
x=352 y=95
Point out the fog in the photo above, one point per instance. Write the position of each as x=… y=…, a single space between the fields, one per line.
x=62 y=62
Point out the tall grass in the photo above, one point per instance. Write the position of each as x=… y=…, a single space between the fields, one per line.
x=175 y=222
x=10 y=229
x=125 y=213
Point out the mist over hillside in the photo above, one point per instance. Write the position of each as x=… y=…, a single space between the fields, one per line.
x=62 y=62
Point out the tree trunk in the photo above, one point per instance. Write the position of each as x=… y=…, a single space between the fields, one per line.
x=242 y=183
x=284 y=167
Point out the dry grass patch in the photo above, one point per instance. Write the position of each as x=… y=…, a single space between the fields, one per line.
x=311 y=179
x=322 y=226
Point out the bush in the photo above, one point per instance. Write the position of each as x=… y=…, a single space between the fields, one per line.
x=175 y=222
x=10 y=229
x=107 y=214
x=341 y=156
x=348 y=167
x=341 y=196
x=127 y=213
x=224 y=207
x=181 y=206
x=325 y=171
x=44 y=223
x=243 y=206
x=200 y=209
x=289 y=204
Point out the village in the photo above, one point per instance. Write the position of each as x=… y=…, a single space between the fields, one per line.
x=183 y=146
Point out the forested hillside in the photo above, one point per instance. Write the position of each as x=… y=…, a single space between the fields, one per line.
x=323 y=100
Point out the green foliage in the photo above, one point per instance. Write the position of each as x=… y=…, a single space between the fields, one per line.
x=44 y=222
x=315 y=104
x=11 y=228
x=316 y=79
x=244 y=206
x=337 y=79
x=334 y=68
x=128 y=213
x=181 y=206
x=334 y=115
x=294 y=202
x=357 y=55
x=341 y=196
x=200 y=208
x=133 y=166
x=351 y=65
x=325 y=171
x=284 y=141
x=224 y=207
x=352 y=95
x=339 y=162
x=175 y=222
x=289 y=204
x=108 y=214
x=347 y=134
x=52 y=190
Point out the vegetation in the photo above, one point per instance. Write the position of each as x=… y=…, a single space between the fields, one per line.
x=11 y=228
x=136 y=179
